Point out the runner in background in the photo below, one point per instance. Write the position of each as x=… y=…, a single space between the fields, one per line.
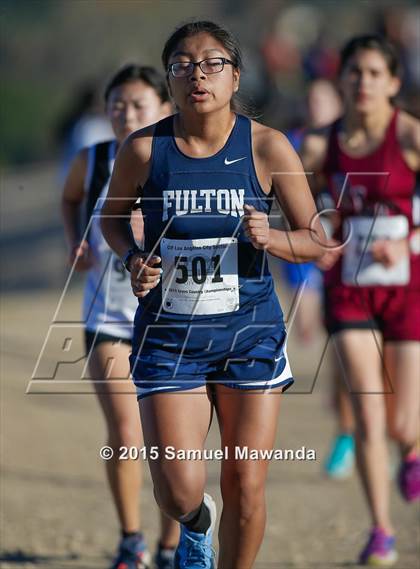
x=323 y=106
x=135 y=97
x=369 y=159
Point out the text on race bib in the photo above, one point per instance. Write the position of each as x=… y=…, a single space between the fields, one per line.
x=200 y=276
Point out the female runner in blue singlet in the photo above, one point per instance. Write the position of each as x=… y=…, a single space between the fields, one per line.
x=209 y=330
x=135 y=97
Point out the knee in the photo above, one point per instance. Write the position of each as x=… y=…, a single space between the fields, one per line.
x=404 y=430
x=126 y=432
x=371 y=424
x=244 y=489
x=178 y=497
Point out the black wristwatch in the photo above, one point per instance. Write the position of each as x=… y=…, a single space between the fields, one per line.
x=126 y=259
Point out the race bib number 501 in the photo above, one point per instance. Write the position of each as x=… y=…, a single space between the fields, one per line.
x=200 y=276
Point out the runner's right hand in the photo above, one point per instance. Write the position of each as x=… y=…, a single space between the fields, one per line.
x=144 y=275
x=81 y=257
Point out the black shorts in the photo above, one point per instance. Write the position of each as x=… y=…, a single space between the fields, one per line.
x=93 y=339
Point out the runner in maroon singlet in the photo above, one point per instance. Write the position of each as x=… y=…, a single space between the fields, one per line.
x=369 y=159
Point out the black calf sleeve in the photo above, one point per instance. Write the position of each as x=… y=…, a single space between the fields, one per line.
x=198 y=521
x=125 y=534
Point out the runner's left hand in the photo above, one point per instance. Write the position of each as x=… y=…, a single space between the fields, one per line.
x=256 y=226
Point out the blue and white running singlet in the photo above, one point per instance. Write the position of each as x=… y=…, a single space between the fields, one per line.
x=216 y=296
x=108 y=304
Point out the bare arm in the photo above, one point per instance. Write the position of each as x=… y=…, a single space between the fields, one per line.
x=130 y=173
x=408 y=132
x=390 y=251
x=312 y=154
x=71 y=201
x=72 y=198
x=284 y=171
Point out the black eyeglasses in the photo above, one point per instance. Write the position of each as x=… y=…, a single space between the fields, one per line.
x=207 y=66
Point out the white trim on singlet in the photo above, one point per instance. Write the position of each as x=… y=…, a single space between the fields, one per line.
x=112 y=154
x=90 y=167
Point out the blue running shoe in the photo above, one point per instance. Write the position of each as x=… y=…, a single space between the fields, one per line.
x=195 y=550
x=164 y=558
x=132 y=554
x=340 y=462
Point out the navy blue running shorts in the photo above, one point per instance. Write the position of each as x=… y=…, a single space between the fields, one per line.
x=263 y=366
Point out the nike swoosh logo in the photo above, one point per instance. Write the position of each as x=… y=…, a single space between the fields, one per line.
x=228 y=162
x=278 y=359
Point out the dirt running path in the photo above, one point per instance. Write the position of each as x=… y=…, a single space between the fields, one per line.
x=57 y=512
x=56 y=508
